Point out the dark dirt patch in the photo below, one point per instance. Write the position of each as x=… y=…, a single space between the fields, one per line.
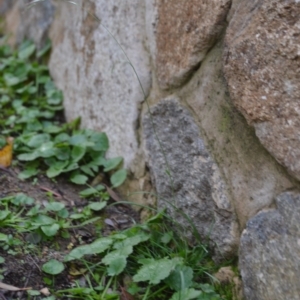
x=23 y=263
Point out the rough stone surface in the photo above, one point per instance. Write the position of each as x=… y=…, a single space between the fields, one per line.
x=252 y=175
x=29 y=22
x=197 y=188
x=262 y=67
x=270 y=251
x=5 y=5
x=89 y=66
x=185 y=31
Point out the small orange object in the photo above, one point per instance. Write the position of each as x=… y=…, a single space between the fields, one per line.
x=6 y=153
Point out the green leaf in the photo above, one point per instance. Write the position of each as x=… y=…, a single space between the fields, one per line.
x=79 y=179
x=62 y=137
x=2 y=260
x=167 y=237
x=47 y=150
x=33 y=293
x=55 y=206
x=116 y=260
x=155 y=271
x=72 y=166
x=117 y=266
x=77 y=153
x=87 y=170
x=28 y=156
x=53 y=129
x=98 y=246
x=134 y=240
x=3 y=237
x=56 y=168
x=98 y=159
x=22 y=199
x=44 y=50
x=42 y=220
x=26 y=50
x=50 y=230
x=118 y=178
x=2 y=141
x=180 y=278
x=101 y=141
x=78 y=139
x=28 y=173
x=53 y=267
x=187 y=294
x=97 y=206
x=11 y=79
x=91 y=191
x=63 y=152
x=76 y=216
x=4 y=214
x=63 y=213
x=112 y=163
x=38 y=140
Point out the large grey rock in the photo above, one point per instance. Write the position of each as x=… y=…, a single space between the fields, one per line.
x=195 y=186
x=261 y=64
x=5 y=5
x=185 y=30
x=252 y=175
x=88 y=64
x=25 y=21
x=270 y=251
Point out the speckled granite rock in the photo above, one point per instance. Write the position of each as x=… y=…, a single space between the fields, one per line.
x=197 y=187
x=262 y=68
x=270 y=251
x=185 y=31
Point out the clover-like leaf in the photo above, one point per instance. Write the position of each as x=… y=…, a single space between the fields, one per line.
x=53 y=267
x=79 y=179
x=155 y=271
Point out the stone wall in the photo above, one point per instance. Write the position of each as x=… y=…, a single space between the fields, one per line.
x=210 y=114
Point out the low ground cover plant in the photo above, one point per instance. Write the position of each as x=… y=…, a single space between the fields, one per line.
x=146 y=261
x=29 y=105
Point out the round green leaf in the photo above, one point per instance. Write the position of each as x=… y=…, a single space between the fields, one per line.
x=38 y=140
x=50 y=230
x=118 y=178
x=53 y=267
x=97 y=205
x=79 y=179
x=47 y=150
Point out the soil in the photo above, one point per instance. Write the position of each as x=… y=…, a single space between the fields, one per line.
x=23 y=266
